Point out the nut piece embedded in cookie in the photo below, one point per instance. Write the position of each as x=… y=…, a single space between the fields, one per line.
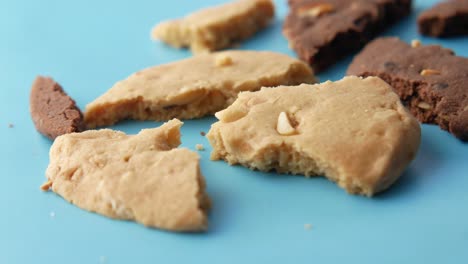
x=194 y=87
x=53 y=112
x=430 y=80
x=315 y=9
x=284 y=126
x=354 y=131
x=144 y=177
x=217 y=27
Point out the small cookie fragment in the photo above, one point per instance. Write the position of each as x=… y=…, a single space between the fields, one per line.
x=53 y=112
x=448 y=18
x=217 y=27
x=355 y=132
x=199 y=147
x=194 y=87
x=323 y=31
x=144 y=177
x=11 y=125
x=415 y=43
x=430 y=80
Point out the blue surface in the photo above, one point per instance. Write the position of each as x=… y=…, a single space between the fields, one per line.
x=89 y=45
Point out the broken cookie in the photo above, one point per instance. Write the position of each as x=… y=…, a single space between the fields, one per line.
x=217 y=27
x=144 y=177
x=448 y=18
x=194 y=87
x=53 y=112
x=354 y=131
x=430 y=80
x=323 y=31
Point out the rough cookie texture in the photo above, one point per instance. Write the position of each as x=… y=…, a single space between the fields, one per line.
x=194 y=87
x=354 y=131
x=53 y=112
x=142 y=177
x=323 y=31
x=430 y=80
x=449 y=18
x=217 y=27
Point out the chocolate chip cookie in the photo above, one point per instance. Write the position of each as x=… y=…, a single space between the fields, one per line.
x=431 y=80
x=323 y=31
x=53 y=112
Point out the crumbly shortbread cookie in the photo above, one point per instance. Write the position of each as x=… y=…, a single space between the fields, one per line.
x=217 y=27
x=430 y=80
x=194 y=87
x=53 y=112
x=141 y=177
x=354 y=131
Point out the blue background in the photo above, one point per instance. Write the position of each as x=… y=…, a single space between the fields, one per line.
x=89 y=45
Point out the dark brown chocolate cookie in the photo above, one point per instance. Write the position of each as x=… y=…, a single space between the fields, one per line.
x=430 y=80
x=449 y=18
x=53 y=112
x=323 y=31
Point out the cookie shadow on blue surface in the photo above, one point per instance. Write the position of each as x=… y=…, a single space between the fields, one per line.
x=427 y=160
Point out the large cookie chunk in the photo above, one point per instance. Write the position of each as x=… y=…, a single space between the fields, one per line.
x=217 y=27
x=430 y=80
x=449 y=18
x=143 y=177
x=323 y=31
x=354 y=131
x=53 y=112
x=194 y=87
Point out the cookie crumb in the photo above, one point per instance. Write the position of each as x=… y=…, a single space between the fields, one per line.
x=11 y=125
x=427 y=72
x=307 y=226
x=199 y=147
x=202 y=133
x=52 y=214
x=46 y=186
x=284 y=126
x=415 y=43
x=223 y=60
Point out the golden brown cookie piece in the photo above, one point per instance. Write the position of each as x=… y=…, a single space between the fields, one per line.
x=354 y=131
x=194 y=87
x=144 y=177
x=217 y=27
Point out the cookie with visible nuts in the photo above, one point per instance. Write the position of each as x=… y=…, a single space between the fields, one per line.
x=217 y=27
x=53 y=112
x=431 y=80
x=195 y=87
x=448 y=18
x=142 y=177
x=323 y=31
x=355 y=132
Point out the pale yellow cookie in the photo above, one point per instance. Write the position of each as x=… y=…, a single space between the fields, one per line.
x=354 y=131
x=144 y=177
x=217 y=27
x=194 y=87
